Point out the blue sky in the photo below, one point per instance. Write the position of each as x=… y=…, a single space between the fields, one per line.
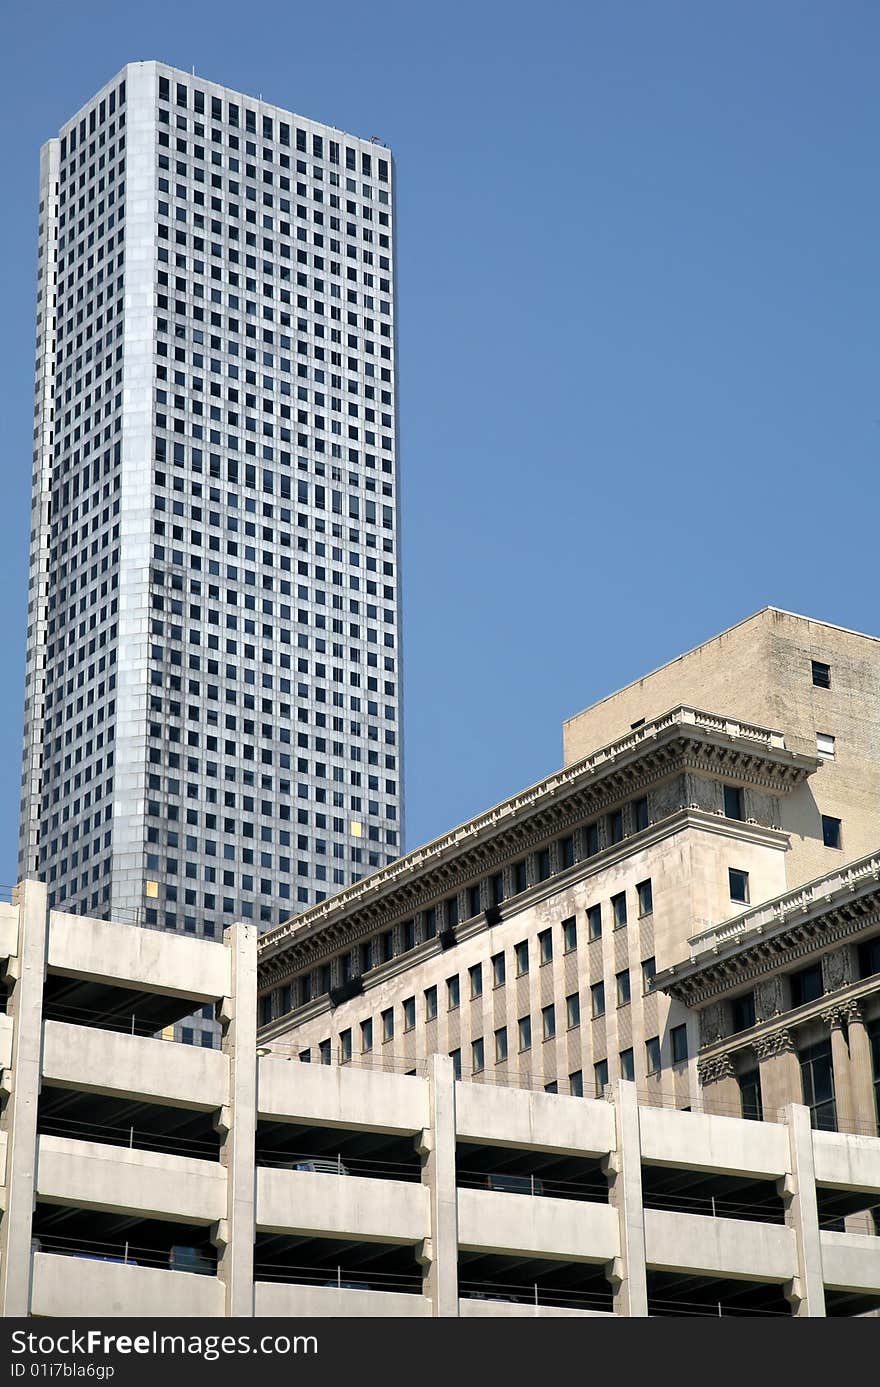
x=637 y=270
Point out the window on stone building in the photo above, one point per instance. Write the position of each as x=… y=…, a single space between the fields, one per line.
x=806 y=985
x=652 y=1054
x=569 y=935
x=501 y=1045
x=821 y=674
x=825 y=745
x=548 y=1022
x=817 y=1075
x=594 y=922
x=743 y=1012
x=831 y=832
x=325 y=1050
x=388 y=1025
x=679 y=1039
x=615 y=826
x=733 y=802
x=545 y=946
x=597 y=999
x=739 y=885
x=618 y=910
x=430 y=1003
x=475 y=974
x=750 y=1095
x=649 y=972
x=455 y=1056
x=453 y=993
x=623 y=988
x=520 y=877
x=409 y=1013
x=366 y=1036
x=646 y=898
x=869 y=957
x=522 y=957
x=591 y=833
x=478 y=1056
x=499 y=970
x=524 y=1028
x=600 y=1077
x=572 y=1010
x=576 y=1083
x=345 y=1046
x=627 y=1065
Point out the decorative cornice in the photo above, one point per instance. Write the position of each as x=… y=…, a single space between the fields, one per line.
x=780 y=932
x=682 y=739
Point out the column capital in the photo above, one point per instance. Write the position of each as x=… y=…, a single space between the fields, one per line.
x=777 y=1043
x=836 y=1017
x=711 y=1071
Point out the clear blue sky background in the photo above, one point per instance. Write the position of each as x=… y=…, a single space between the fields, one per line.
x=638 y=330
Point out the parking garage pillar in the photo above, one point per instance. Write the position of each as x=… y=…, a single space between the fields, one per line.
x=27 y=970
x=628 y=1273
x=802 y=1214
x=438 y=1149
x=235 y=1236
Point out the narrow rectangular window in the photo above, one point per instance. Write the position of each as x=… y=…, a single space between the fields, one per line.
x=569 y=935
x=592 y=837
x=600 y=1077
x=594 y=922
x=831 y=832
x=430 y=1003
x=618 y=909
x=576 y=1083
x=623 y=988
x=821 y=674
x=627 y=1065
x=388 y=1025
x=733 y=802
x=572 y=1010
x=739 y=885
x=640 y=814
x=455 y=1056
x=646 y=898
x=366 y=1036
x=825 y=745
x=615 y=826
x=652 y=1054
x=475 y=975
x=522 y=958
x=597 y=999
x=649 y=972
x=524 y=1028
x=501 y=1045
x=409 y=1013
x=679 y=1038
x=499 y=971
x=548 y=1022
x=478 y=1056
x=545 y=946
x=453 y=993
x=345 y=1046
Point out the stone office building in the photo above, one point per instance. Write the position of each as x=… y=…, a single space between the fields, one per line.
x=526 y=943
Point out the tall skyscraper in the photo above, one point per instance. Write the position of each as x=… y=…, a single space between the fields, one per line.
x=212 y=712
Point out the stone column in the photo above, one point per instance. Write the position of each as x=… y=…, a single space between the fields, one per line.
x=834 y=1019
x=807 y=1291
x=780 y=1072
x=719 y=1088
x=623 y=1167
x=237 y=1122
x=27 y=970
x=437 y=1146
x=863 y=1093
